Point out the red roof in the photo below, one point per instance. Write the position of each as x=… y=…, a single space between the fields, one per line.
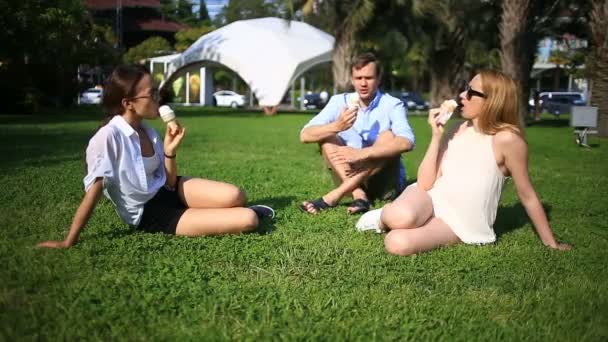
x=154 y=25
x=111 y=4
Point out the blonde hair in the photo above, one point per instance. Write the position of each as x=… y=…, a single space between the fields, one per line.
x=501 y=108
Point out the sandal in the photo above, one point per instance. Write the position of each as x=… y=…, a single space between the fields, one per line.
x=319 y=205
x=360 y=206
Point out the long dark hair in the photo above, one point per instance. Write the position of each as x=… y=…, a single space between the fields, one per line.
x=120 y=84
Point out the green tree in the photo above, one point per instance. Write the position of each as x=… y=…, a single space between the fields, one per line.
x=246 y=9
x=43 y=42
x=151 y=47
x=599 y=61
x=343 y=19
x=186 y=37
x=179 y=11
x=523 y=23
x=203 y=14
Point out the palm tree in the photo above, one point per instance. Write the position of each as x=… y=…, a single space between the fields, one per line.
x=523 y=23
x=599 y=56
x=449 y=27
x=517 y=46
x=344 y=19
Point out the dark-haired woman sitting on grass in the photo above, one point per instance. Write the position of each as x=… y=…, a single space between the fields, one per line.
x=137 y=172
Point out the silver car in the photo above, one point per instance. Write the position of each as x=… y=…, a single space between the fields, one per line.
x=91 y=96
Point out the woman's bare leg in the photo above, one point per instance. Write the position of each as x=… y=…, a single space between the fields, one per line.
x=214 y=208
x=435 y=233
x=410 y=210
x=204 y=193
x=198 y=222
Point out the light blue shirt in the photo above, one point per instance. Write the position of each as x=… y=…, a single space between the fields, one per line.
x=114 y=154
x=383 y=113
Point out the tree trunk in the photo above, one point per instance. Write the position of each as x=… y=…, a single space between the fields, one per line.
x=446 y=68
x=341 y=60
x=446 y=74
x=517 y=45
x=599 y=23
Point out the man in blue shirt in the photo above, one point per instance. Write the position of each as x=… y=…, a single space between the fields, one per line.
x=361 y=141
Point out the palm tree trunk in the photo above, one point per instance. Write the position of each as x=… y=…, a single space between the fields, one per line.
x=517 y=48
x=599 y=22
x=446 y=72
x=341 y=60
x=446 y=68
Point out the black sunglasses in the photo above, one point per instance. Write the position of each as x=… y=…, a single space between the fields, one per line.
x=154 y=95
x=471 y=93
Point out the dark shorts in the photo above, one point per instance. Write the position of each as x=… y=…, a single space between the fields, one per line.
x=162 y=212
x=387 y=184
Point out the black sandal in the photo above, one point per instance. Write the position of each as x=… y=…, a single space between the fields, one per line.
x=360 y=205
x=319 y=205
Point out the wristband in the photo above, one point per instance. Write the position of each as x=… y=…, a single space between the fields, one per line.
x=170 y=157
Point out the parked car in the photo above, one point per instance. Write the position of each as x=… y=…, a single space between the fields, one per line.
x=411 y=100
x=313 y=100
x=91 y=96
x=559 y=102
x=228 y=98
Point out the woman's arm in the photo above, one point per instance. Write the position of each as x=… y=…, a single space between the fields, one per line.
x=515 y=152
x=171 y=143
x=429 y=169
x=82 y=216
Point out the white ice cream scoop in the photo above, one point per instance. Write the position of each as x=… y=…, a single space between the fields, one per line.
x=166 y=113
x=353 y=100
x=446 y=110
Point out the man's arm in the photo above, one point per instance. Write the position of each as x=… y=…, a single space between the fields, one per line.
x=333 y=119
x=317 y=133
x=388 y=145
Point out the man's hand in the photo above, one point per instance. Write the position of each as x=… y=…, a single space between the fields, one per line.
x=346 y=119
x=354 y=159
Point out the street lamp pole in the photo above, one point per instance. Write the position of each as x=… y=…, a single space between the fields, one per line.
x=119 y=24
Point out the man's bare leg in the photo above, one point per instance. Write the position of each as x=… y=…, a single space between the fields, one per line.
x=340 y=171
x=350 y=183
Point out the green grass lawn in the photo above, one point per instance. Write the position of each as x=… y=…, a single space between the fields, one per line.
x=304 y=277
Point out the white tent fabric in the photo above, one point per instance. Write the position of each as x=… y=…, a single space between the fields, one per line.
x=267 y=53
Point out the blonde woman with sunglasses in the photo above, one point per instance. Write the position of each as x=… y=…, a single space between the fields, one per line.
x=136 y=170
x=461 y=177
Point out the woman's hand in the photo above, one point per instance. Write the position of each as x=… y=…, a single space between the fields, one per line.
x=173 y=139
x=54 y=244
x=433 y=120
x=561 y=246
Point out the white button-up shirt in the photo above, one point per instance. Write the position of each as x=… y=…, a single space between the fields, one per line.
x=114 y=154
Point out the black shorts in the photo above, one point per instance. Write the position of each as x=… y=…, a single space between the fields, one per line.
x=162 y=212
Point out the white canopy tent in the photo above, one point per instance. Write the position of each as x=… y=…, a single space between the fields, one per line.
x=267 y=53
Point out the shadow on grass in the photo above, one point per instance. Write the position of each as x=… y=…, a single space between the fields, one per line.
x=42 y=148
x=70 y=114
x=553 y=122
x=510 y=218
x=277 y=203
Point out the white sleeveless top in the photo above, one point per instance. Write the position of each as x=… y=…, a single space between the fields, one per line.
x=151 y=164
x=466 y=195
